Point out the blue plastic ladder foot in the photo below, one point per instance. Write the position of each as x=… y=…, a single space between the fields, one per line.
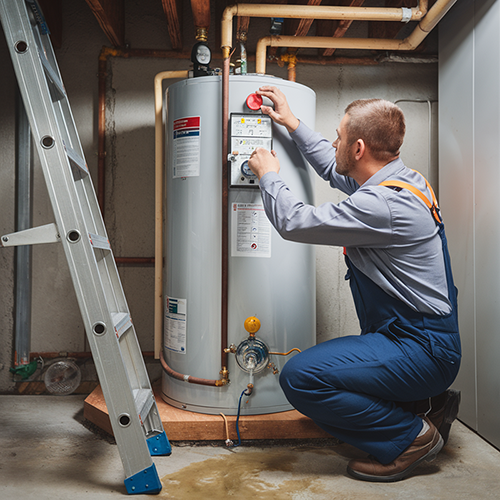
x=146 y=481
x=159 y=445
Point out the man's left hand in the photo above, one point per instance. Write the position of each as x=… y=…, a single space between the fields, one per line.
x=262 y=161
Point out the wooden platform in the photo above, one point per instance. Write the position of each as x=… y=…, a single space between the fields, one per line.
x=183 y=425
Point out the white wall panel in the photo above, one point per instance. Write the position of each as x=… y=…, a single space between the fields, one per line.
x=469 y=111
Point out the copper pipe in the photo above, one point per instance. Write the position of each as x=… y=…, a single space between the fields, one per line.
x=189 y=378
x=435 y=14
x=201 y=18
x=291 y=59
x=312 y=12
x=285 y=353
x=106 y=53
x=225 y=208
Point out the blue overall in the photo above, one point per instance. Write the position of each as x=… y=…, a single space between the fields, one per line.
x=349 y=385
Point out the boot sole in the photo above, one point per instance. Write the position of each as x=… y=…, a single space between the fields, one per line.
x=428 y=457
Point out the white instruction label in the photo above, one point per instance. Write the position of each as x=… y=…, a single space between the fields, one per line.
x=250 y=230
x=174 y=338
x=186 y=147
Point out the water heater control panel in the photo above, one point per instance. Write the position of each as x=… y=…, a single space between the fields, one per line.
x=249 y=131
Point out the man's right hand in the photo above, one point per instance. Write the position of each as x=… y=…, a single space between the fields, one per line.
x=281 y=113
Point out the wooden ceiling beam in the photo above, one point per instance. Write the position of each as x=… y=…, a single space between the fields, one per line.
x=300 y=27
x=111 y=17
x=343 y=26
x=305 y=24
x=173 y=13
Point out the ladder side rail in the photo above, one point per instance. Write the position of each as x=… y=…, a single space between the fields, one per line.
x=79 y=253
x=65 y=116
x=67 y=128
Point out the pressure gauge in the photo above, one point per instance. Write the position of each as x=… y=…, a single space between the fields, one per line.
x=245 y=170
x=201 y=57
x=203 y=54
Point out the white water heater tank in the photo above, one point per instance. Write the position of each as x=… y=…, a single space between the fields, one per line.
x=269 y=278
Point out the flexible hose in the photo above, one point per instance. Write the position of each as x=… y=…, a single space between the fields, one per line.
x=238 y=419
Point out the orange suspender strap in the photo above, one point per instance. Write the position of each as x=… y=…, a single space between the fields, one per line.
x=432 y=206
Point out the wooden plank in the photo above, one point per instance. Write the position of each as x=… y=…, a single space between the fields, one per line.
x=183 y=425
x=173 y=13
x=111 y=17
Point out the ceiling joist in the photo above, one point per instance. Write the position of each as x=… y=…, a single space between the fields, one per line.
x=343 y=26
x=173 y=13
x=111 y=17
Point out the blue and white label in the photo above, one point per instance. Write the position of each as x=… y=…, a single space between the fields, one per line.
x=174 y=335
x=186 y=147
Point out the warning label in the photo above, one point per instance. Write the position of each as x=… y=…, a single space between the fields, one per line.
x=186 y=147
x=250 y=230
x=174 y=338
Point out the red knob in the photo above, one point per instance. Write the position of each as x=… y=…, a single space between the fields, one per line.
x=254 y=102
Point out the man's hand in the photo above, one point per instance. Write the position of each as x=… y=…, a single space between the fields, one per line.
x=262 y=161
x=281 y=113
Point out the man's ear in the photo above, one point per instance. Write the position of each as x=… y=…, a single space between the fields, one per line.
x=359 y=149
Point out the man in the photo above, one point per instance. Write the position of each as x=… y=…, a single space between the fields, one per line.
x=359 y=388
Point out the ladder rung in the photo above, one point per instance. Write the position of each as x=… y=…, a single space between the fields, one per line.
x=144 y=400
x=76 y=159
x=121 y=323
x=98 y=241
x=51 y=74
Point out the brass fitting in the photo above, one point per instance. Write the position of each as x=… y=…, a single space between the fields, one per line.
x=289 y=58
x=231 y=349
x=201 y=34
x=241 y=36
x=224 y=380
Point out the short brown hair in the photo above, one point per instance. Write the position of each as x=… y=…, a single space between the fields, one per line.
x=381 y=125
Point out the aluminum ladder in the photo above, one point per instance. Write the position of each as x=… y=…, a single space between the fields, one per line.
x=79 y=226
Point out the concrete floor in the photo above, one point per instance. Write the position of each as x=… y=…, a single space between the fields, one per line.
x=46 y=452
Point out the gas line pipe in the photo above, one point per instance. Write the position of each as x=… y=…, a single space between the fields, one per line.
x=159 y=157
x=424 y=27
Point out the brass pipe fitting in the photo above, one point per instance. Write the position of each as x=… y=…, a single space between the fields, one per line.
x=201 y=34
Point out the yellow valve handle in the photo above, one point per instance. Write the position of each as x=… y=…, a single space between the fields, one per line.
x=252 y=324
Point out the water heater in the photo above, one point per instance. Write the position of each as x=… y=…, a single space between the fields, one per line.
x=268 y=277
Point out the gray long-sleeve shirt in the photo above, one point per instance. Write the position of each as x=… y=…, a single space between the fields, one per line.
x=389 y=235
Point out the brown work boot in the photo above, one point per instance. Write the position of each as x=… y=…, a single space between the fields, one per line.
x=444 y=411
x=425 y=447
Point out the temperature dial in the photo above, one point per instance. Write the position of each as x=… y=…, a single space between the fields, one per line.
x=245 y=170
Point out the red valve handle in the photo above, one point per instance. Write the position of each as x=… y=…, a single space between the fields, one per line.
x=254 y=102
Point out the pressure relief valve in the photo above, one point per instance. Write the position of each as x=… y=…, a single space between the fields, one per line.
x=252 y=355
